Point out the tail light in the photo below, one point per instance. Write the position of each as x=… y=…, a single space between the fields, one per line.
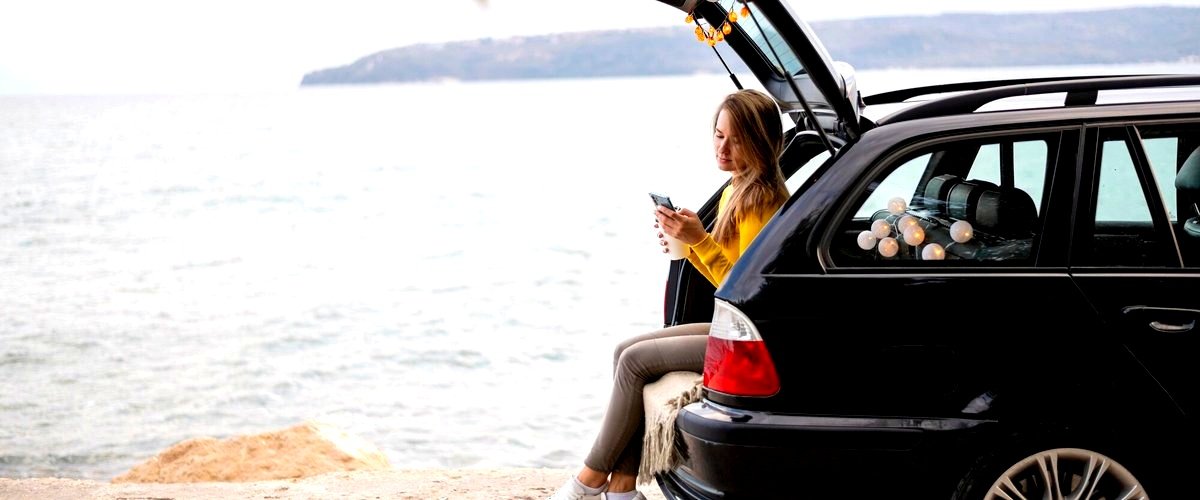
x=737 y=361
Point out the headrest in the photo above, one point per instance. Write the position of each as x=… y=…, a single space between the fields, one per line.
x=963 y=198
x=937 y=191
x=1005 y=211
x=1188 y=178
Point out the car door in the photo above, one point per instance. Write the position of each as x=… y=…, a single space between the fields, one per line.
x=1127 y=257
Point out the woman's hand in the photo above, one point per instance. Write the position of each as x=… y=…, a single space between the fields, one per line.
x=683 y=225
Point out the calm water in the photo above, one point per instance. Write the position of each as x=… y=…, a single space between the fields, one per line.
x=441 y=269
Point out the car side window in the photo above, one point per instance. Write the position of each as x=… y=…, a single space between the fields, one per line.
x=805 y=171
x=964 y=202
x=1123 y=228
x=1174 y=155
x=1029 y=158
x=902 y=180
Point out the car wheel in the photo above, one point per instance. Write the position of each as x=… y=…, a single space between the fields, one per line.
x=1058 y=474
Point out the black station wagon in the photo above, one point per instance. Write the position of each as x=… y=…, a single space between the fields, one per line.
x=990 y=292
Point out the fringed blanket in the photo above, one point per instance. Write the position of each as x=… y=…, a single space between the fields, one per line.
x=663 y=400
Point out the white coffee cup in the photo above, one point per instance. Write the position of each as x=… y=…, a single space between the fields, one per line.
x=676 y=249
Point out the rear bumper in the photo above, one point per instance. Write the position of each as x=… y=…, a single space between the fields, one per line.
x=743 y=454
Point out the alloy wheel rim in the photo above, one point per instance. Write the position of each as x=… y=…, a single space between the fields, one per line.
x=1067 y=474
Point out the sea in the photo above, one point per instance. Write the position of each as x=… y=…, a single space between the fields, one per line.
x=442 y=269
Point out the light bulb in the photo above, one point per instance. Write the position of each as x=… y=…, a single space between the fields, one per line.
x=914 y=236
x=897 y=205
x=906 y=222
x=866 y=240
x=933 y=251
x=888 y=247
x=881 y=228
x=961 y=231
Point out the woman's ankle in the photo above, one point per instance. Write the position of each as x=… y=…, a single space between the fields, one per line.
x=620 y=482
x=592 y=478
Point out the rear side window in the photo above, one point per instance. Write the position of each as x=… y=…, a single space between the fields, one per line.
x=970 y=202
x=1029 y=166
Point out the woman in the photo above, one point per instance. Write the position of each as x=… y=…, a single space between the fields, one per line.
x=747 y=141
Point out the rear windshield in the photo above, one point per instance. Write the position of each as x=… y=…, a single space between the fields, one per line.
x=764 y=35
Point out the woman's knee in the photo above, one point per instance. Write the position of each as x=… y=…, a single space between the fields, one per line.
x=620 y=349
x=634 y=361
x=623 y=346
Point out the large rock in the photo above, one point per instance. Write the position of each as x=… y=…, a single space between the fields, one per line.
x=305 y=450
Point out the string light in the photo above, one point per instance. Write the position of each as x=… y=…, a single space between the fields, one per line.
x=712 y=35
x=933 y=251
x=888 y=247
x=885 y=234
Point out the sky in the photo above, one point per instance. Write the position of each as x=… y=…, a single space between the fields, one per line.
x=139 y=46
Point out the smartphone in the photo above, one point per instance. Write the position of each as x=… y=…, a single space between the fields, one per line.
x=663 y=200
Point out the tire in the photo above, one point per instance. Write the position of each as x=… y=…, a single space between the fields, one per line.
x=1052 y=473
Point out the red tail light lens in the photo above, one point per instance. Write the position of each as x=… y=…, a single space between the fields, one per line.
x=737 y=361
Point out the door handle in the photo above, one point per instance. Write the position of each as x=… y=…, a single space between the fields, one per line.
x=1165 y=319
x=1173 y=328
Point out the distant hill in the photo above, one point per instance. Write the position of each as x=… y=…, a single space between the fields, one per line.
x=1151 y=34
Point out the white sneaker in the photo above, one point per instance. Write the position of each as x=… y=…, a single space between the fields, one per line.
x=574 y=490
x=638 y=496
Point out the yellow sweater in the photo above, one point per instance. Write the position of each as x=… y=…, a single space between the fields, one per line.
x=713 y=260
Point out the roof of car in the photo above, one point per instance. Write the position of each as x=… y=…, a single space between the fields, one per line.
x=971 y=96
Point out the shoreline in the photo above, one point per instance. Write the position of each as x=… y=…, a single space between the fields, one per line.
x=466 y=483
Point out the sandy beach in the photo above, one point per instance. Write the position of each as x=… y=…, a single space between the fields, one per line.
x=511 y=483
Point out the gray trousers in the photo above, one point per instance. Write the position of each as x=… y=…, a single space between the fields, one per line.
x=637 y=362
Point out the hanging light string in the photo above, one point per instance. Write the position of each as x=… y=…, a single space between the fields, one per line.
x=717 y=36
x=714 y=35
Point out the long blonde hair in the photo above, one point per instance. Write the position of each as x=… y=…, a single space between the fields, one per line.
x=758 y=188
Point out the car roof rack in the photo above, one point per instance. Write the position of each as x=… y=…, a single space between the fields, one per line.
x=902 y=95
x=1081 y=91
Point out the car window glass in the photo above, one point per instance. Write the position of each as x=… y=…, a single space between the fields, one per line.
x=1123 y=231
x=793 y=183
x=1029 y=162
x=947 y=205
x=768 y=40
x=1161 y=153
x=902 y=182
x=1119 y=199
x=1170 y=149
